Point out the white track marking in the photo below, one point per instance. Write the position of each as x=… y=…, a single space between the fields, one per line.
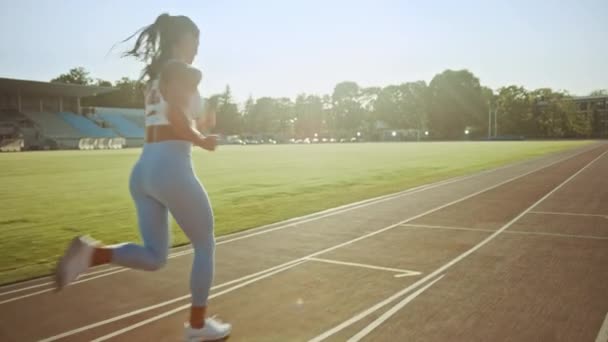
x=567 y=214
x=520 y=232
x=53 y=289
x=287 y=223
x=105 y=272
x=50 y=283
x=390 y=312
x=428 y=226
x=340 y=245
x=322 y=214
x=245 y=235
x=337 y=210
x=452 y=262
x=400 y=273
x=573 y=236
x=184 y=307
x=152 y=307
x=602 y=335
x=259 y=275
x=367 y=203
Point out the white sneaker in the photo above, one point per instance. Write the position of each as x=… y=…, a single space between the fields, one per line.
x=75 y=261
x=212 y=331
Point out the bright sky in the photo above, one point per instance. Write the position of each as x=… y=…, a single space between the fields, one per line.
x=282 y=48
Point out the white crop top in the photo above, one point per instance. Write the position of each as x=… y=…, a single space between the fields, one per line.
x=156 y=108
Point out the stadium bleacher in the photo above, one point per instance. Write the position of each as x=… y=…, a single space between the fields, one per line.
x=122 y=125
x=86 y=127
x=53 y=126
x=48 y=115
x=138 y=120
x=12 y=116
x=135 y=116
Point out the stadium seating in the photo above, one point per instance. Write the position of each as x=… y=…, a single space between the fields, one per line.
x=7 y=129
x=135 y=116
x=12 y=116
x=52 y=125
x=122 y=125
x=138 y=120
x=86 y=127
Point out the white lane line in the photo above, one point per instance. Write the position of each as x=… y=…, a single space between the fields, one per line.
x=428 y=226
x=602 y=335
x=337 y=210
x=50 y=283
x=152 y=307
x=287 y=223
x=389 y=313
x=301 y=220
x=510 y=231
x=573 y=236
x=380 y=200
x=384 y=198
x=174 y=300
x=104 y=273
x=342 y=244
x=452 y=262
x=184 y=307
x=94 y=270
x=53 y=289
x=293 y=222
x=559 y=213
x=400 y=273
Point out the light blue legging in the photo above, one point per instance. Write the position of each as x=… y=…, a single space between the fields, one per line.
x=163 y=181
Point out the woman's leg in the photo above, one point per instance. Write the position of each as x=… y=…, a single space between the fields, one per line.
x=190 y=206
x=153 y=221
x=154 y=229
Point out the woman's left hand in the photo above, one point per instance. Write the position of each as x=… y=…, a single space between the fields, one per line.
x=209 y=143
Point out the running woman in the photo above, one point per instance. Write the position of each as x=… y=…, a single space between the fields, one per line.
x=163 y=181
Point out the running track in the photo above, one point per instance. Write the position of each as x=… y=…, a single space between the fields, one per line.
x=518 y=253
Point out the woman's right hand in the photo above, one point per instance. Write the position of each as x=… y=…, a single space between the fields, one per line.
x=209 y=143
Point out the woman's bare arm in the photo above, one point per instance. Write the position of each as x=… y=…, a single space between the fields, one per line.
x=178 y=83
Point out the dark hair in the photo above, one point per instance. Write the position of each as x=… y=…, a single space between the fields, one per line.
x=154 y=43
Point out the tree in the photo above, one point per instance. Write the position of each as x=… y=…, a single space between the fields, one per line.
x=599 y=92
x=309 y=115
x=456 y=102
x=367 y=99
x=229 y=120
x=557 y=115
x=515 y=111
x=285 y=114
x=348 y=113
x=402 y=106
x=129 y=94
x=580 y=123
x=268 y=116
x=103 y=83
x=247 y=114
x=75 y=76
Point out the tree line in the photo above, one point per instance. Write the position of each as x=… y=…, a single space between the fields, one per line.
x=454 y=105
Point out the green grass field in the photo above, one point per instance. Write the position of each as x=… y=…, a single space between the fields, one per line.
x=48 y=197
